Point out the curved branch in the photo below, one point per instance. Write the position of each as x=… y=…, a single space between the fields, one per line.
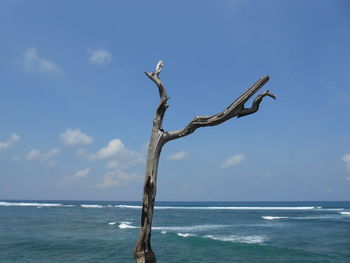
x=256 y=103
x=154 y=76
x=162 y=107
x=235 y=109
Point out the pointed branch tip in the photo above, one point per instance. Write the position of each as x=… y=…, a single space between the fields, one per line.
x=159 y=67
x=267 y=93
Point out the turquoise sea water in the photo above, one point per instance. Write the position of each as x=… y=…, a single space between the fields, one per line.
x=82 y=231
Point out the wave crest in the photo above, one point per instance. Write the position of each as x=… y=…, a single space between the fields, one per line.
x=254 y=239
x=34 y=204
x=126 y=225
x=185 y=235
x=274 y=217
x=91 y=206
x=226 y=207
x=188 y=228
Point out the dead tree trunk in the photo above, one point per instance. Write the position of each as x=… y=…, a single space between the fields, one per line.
x=143 y=251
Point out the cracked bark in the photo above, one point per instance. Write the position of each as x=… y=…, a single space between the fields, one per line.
x=143 y=252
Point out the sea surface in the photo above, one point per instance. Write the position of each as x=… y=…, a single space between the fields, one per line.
x=215 y=232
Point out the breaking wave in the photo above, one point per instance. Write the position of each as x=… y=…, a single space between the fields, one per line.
x=165 y=229
x=185 y=235
x=254 y=239
x=274 y=217
x=229 y=207
x=91 y=206
x=129 y=206
x=122 y=206
x=126 y=225
x=34 y=204
x=303 y=217
x=345 y=213
x=188 y=228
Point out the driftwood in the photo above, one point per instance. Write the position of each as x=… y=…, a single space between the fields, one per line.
x=143 y=251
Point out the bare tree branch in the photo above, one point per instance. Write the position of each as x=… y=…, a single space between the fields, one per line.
x=235 y=109
x=162 y=107
x=143 y=251
x=256 y=103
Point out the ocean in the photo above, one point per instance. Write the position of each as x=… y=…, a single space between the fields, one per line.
x=215 y=232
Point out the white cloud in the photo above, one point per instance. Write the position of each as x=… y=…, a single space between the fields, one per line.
x=80 y=152
x=13 y=138
x=114 y=164
x=45 y=157
x=33 y=154
x=118 y=156
x=178 y=156
x=52 y=152
x=233 y=160
x=32 y=62
x=16 y=158
x=114 y=147
x=73 y=137
x=346 y=159
x=100 y=56
x=74 y=178
x=118 y=178
x=82 y=173
x=51 y=163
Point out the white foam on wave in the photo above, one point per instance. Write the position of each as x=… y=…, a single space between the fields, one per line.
x=126 y=225
x=315 y=217
x=163 y=232
x=91 y=206
x=345 y=213
x=185 y=235
x=112 y=223
x=254 y=239
x=129 y=206
x=34 y=204
x=188 y=228
x=318 y=217
x=274 y=217
x=225 y=207
x=165 y=229
x=126 y=222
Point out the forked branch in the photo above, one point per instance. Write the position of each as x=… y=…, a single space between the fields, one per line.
x=143 y=251
x=256 y=103
x=235 y=109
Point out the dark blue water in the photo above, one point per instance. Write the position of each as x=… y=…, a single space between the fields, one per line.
x=82 y=231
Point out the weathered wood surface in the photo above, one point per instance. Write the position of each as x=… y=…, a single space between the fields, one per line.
x=143 y=251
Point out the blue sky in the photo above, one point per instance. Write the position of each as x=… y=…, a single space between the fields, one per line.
x=76 y=108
